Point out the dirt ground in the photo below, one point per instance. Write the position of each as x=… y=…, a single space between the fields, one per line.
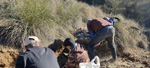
x=8 y=58
x=137 y=58
x=132 y=58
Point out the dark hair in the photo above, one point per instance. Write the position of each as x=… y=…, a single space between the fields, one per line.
x=57 y=45
x=69 y=42
x=116 y=19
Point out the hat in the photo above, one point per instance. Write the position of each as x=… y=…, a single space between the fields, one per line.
x=31 y=39
x=69 y=42
x=89 y=20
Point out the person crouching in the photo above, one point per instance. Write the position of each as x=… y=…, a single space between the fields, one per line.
x=76 y=55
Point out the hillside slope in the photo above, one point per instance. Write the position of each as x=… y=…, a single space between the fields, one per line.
x=51 y=19
x=130 y=9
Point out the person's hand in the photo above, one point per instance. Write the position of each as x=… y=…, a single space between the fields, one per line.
x=97 y=44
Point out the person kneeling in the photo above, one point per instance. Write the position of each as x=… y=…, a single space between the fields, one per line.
x=36 y=56
x=77 y=53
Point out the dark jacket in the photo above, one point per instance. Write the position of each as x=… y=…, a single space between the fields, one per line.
x=76 y=56
x=63 y=57
x=97 y=24
x=37 y=57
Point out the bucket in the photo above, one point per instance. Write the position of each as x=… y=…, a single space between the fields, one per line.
x=91 y=64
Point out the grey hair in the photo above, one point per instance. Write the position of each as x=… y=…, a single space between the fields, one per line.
x=30 y=45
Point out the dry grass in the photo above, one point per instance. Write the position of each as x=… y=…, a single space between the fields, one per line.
x=51 y=19
x=130 y=35
x=47 y=19
x=55 y=19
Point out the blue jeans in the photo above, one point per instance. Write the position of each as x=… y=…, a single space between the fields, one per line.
x=106 y=33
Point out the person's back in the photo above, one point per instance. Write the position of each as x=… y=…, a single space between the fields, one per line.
x=80 y=53
x=37 y=57
x=97 y=24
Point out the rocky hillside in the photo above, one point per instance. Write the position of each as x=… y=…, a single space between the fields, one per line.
x=57 y=19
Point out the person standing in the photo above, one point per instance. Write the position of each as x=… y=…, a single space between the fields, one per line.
x=99 y=30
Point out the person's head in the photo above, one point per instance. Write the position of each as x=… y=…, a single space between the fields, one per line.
x=115 y=19
x=31 y=41
x=69 y=42
x=106 y=18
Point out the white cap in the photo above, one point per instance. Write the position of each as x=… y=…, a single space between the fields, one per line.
x=31 y=39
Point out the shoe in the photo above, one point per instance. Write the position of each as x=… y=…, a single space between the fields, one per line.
x=112 y=60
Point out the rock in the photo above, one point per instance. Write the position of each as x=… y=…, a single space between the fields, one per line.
x=2 y=65
x=3 y=51
x=146 y=56
x=146 y=64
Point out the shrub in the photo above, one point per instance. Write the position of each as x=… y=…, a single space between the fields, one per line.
x=43 y=18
